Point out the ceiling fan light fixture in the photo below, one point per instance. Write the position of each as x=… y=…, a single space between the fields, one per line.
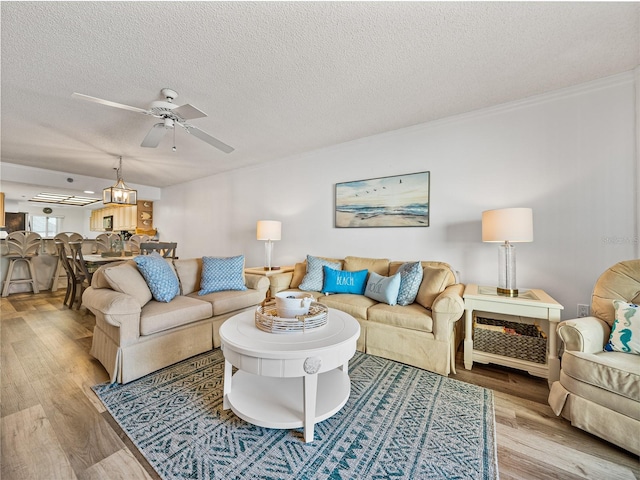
x=120 y=193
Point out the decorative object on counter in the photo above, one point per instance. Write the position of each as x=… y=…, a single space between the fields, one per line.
x=120 y=193
x=292 y=304
x=22 y=247
x=397 y=201
x=269 y=230
x=508 y=225
x=144 y=216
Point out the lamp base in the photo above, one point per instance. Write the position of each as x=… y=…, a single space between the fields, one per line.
x=507 y=292
x=271 y=268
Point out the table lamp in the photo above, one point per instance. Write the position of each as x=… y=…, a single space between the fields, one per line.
x=269 y=230
x=508 y=225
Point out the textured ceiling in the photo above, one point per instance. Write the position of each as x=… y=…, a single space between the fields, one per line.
x=277 y=79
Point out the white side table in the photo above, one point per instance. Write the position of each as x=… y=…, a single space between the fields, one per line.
x=531 y=304
x=287 y=380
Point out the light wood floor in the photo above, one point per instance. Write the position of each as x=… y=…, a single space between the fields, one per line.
x=53 y=426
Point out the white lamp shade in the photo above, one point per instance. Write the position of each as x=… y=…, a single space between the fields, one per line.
x=269 y=230
x=507 y=224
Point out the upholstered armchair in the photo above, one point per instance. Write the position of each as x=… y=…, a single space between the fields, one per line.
x=599 y=390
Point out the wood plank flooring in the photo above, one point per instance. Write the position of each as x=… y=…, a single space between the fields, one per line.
x=54 y=427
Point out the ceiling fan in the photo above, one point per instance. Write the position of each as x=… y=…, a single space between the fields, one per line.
x=170 y=114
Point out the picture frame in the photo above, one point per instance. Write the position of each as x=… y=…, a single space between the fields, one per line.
x=394 y=201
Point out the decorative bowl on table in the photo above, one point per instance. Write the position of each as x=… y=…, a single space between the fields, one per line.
x=268 y=320
x=292 y=304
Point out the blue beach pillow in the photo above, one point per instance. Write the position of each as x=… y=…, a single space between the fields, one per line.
x=159 y=275
x=222 y=273
x=342 y=281
x=383 y=289
x=314 y=278
x=625 y=332
x=410 y=280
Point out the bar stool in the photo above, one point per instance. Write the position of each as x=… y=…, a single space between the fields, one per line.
x=65 y=237
x=135 y=241
x=104 y=241
x=22 y=247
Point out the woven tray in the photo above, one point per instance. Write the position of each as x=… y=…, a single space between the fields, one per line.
x=267 y=319
x=527 y=343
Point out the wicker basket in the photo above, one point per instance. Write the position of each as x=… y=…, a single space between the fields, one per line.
x=267 y=319
x=510 y=339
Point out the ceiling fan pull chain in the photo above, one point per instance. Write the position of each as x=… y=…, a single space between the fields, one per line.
x=174 y=138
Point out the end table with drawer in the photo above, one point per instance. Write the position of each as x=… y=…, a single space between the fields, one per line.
x=530 y=304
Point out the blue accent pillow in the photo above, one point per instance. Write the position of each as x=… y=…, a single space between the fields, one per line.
x=625 y=332
x=314 y=278
x=159 y=275
x=222 y=273
x=383 y=289
x=410 y=280
x=343 y=281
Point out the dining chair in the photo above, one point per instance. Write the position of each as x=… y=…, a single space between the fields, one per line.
x=72 y=279
x=105 y=240
x=135 y=241
x=166 y=249
x=79 y=265
x=65 y=237
x=22 y=247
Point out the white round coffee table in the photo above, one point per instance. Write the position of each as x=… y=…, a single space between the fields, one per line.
x=287 y=380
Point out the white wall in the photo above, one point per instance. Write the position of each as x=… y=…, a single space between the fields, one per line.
x=570 y=155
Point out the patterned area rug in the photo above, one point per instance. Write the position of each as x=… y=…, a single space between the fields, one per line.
x=400 y=422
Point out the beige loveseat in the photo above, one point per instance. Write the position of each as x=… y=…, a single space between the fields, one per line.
x=599 y=390
x=425 y=333
x=136 y=335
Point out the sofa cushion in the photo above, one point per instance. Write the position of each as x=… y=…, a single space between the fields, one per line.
x=222 y=273
x=413 y=316
x=341 y=281
x=160 y=316
x=126 y=278
x=354 y=305
x=378 y=265
x=383 y=289
x=612 y=371
x=314 y=278
x=622 y=282
x=189 y=271
x=410 y=280
x=434 y=281
x=231 y=300
x=625 y=333
x=159 y=275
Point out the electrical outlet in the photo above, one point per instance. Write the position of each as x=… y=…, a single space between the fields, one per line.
x=583 y=310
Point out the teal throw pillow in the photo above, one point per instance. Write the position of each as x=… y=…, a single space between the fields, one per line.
x=383 y=289
x=625 y=333
x=159 y=275
x=222 y=273
x=314 y=278
x=342 y=281
x=410 y=280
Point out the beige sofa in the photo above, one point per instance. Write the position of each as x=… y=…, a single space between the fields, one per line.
x=598 y=390
x=136 y=335
x=425 y=333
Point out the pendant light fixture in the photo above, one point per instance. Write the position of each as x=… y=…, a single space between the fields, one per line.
x=119 y=194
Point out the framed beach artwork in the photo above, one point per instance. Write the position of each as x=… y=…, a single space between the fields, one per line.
x=398 y=201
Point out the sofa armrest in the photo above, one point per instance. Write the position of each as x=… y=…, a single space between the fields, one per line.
x=280 y=282
x=116 y=309
x=587 y=334
x=256 y=282
x=447 y=309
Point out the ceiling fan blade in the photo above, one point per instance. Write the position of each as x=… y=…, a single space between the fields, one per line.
x=110 y=103
x=188 y=112
x=154 y=136
x=196 y=132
